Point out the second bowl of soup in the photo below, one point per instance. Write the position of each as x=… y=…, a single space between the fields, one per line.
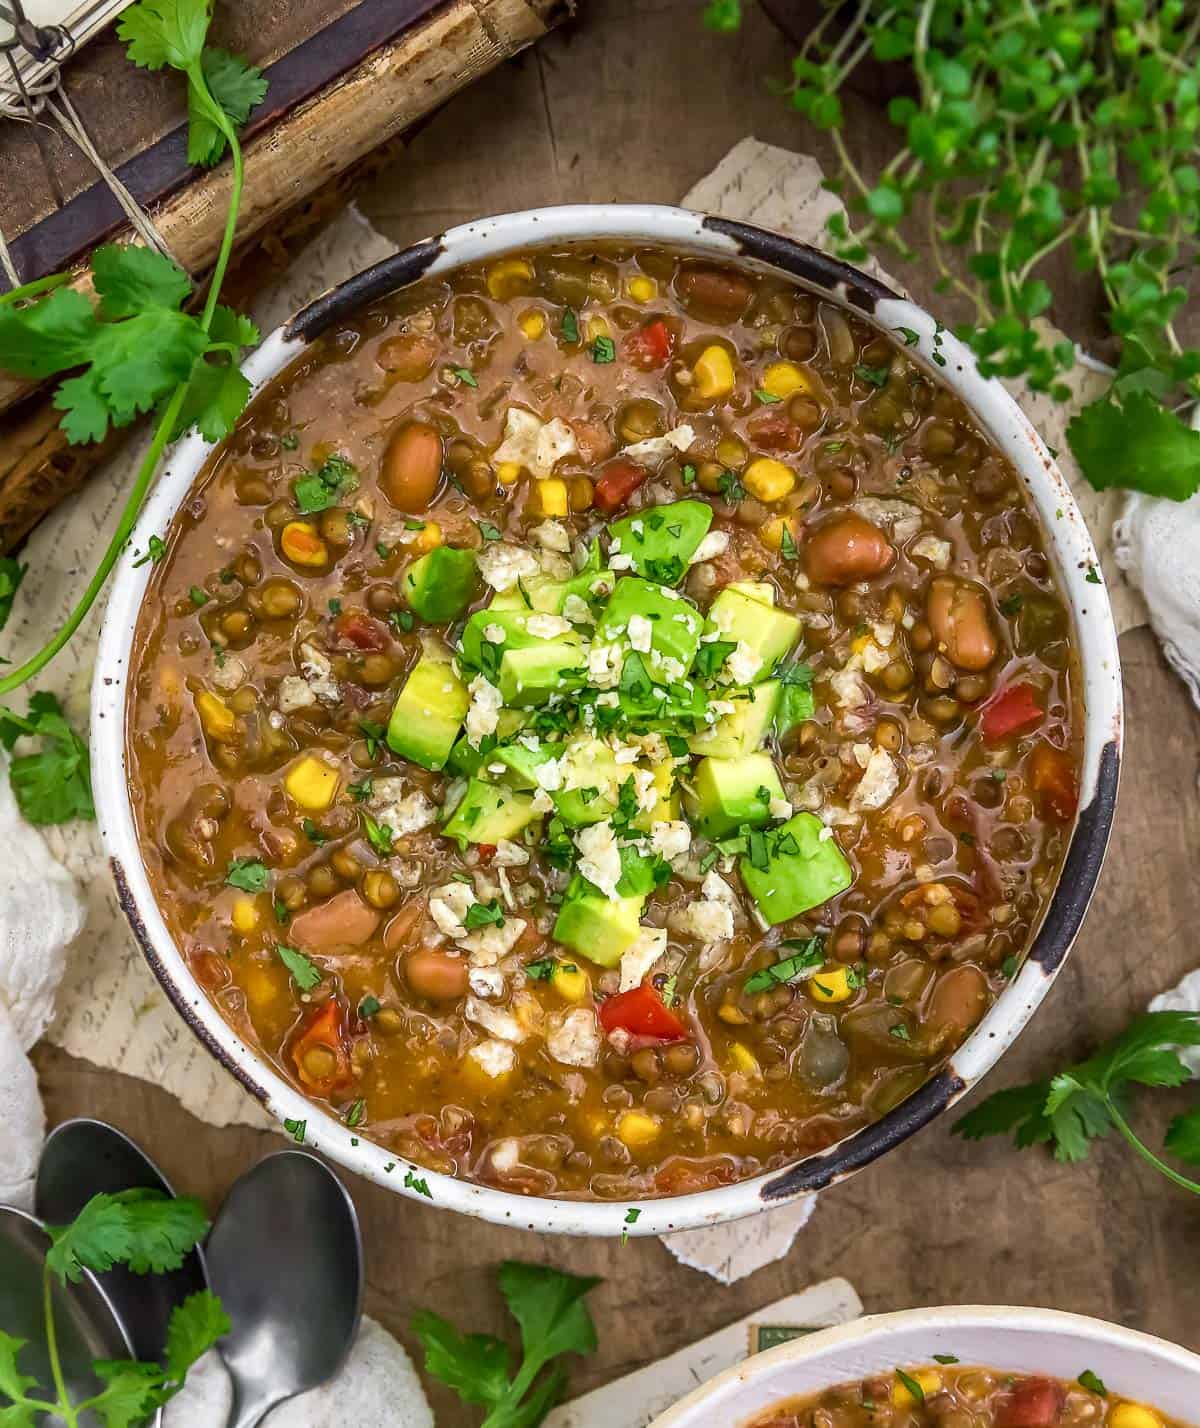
x=610 y=723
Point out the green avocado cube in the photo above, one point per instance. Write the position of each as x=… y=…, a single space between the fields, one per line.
x=441 y=585
x=488 y=812
x=727 y=793
x=591 y=783
x=428 y=713
x=738 y=616
x=480 y=652
x=802 y=870
x=466 y=760
x=661 y=540
x=743 y=730
x=599 y=928
x=533 y=673
x=675 y=625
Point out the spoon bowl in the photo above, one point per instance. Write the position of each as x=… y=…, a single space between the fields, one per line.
x=83 y=1158
x=86 y=1321
x=285 y=1257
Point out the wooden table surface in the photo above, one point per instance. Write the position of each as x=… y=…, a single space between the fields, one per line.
x=605 y=111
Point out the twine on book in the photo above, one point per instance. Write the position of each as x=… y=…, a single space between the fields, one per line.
x=28 y=99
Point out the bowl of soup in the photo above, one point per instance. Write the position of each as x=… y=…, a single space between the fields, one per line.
x=623 y=732
x=956 y=1367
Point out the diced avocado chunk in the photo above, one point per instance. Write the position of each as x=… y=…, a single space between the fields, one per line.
x=599 y=928
x=532 y=673
x=591 y=783
x=661 y=540
x=760 y=590
x=675 y=624
x=770 y=633
x=480 y=652
x=742 y=730
x=466 y=759
x=802 y=870
x=540 y=594
x=488 y=812
x=521 y=762
x=428 y=713
x=728 y=793
x=441 y=585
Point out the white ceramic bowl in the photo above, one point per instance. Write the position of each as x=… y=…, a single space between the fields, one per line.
x=1040 y=1341
x=1076 y=566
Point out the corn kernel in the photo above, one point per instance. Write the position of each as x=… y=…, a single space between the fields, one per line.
x=597 y=327
x=428 y=537
x=509 y=278
x=732 y=1015
x=533 y=324
x=771 y=532
x=713 y=374
x=930 y=1381
x=245 y=915
x=768 y=479
x=552 y=498
x=637 y=1129
x=569 y=982
x=312 y=783
x=830 y=984
x=744 y=1060
x=216 y=717
x=781 y=379
x=642 y=289
x=1133 y=1415
x=302 y=545
x=731 y=453
x=260 y=985
x=508 y=473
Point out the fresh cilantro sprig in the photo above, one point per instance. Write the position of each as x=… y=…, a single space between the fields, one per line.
x=548 y=1306
x=150 y=1233
x=1090 y=1099
x=54 y=784
x=1023 y=132
x=138 y=349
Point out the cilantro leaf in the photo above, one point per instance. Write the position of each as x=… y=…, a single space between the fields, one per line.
x=53 y=785
x=194 y=1327
x=11 y=575
x=47 y=336
x=810 y=954
x=1138 y=445
x=548 y=1306
x=483 y=914
x=1086 y=1100
x=13 y=1382
x=165 y=32
x=305 y=974
x=130 y=279
x=248 y=874
x=237 y=87
x=320 y=489
x=129 y=1394
x=145 y=1229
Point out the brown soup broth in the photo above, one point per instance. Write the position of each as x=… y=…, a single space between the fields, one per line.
x=850 y=495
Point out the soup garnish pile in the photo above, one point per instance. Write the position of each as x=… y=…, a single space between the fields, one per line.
x=959 y=1397
x=604 y=725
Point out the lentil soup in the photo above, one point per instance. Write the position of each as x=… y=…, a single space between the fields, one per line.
x=605 y=724
x=959 y=1397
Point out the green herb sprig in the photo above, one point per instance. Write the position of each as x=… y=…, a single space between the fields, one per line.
x=138 y=350
x=151 y=1234
x=548 y=1306
x=1023 y=131
x=1090 y=1099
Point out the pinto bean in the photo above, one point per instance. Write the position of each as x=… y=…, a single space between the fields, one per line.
x=846 y=549
x=435 y=974
x=959 y=1000
x=408 y=356
x=957 y=611
x=343 y=921
x=714 y=292
x=412 y=466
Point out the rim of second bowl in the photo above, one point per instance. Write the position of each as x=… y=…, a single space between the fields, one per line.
x=1077 y=564
x=1021 y=1339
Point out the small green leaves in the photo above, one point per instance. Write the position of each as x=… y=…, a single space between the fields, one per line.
x=248 y=874
x=1093 y=1383
x=1138 y=445
x=54 y=784
x=12 y=572
x=305 y=974
x=320 y=489
x=603 y=350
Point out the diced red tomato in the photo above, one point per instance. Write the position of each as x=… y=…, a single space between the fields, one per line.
x=1053 y=780
x=486 y=851
x=641 y=1012
x=650 y=346
x=357 y=628
x=1035 y=1403
x=325 y=1030
x=1014 y=710
x=616 y=483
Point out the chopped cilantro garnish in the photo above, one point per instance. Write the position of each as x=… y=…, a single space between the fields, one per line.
x=809 y=954
x=483 y=914
x=603 y=350
x=305 y=974
x=465 y=376
x=379 y=835
x=320 y=489
x=248 y=874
